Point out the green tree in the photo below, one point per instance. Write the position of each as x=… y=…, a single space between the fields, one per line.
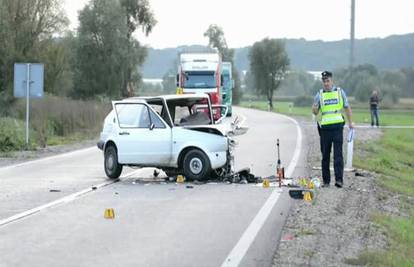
x=138 y=14
x=25 y=26
x=217 y=40
x=363 y=79
x=297 y=83
x=57 y=55
x=268 y=62
x=107 y=55
x=408 y=87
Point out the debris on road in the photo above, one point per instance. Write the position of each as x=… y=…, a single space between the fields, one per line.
x=305 y=188
x=54 y=190
x=287 y=237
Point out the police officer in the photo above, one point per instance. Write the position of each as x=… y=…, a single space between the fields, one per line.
x=330 y=101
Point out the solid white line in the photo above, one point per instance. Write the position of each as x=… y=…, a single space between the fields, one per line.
x=369 y=126
x=386 y=127
x=63 y=155
x=240 y=249
x=66 y=199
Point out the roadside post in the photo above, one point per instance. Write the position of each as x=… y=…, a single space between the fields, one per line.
x=28 y=82
x=349 y=156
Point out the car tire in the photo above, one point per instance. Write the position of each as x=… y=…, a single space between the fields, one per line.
x=196 y=165
x=112 y=167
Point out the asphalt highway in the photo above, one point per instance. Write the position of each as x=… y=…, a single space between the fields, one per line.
x=52 y=209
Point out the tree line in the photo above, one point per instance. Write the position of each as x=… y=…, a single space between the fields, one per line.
x=99 y=59
x=102 y=59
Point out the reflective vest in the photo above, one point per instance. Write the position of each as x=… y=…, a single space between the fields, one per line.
x=331 y=107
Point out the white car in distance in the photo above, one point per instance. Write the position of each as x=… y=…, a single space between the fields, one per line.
x=175 y=133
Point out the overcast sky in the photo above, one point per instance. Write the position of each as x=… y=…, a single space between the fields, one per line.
x=183 y=22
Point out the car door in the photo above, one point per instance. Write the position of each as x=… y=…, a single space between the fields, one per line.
x=142 y=137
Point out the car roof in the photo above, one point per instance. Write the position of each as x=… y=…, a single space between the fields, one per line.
x=167 y=97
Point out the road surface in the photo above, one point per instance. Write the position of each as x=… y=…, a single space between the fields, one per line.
x=51 y=216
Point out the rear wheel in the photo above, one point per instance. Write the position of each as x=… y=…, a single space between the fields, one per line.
x=196 y=165
x=112 y=167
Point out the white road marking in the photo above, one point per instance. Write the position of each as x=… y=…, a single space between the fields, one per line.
x=62 y=200
x=63 y=155
x=240 y=249
x=386 y=127
x=369 y=126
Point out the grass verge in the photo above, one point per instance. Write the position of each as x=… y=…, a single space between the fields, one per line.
x=392 y=158
x=359 y=115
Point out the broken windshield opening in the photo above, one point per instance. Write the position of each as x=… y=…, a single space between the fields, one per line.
x=189 y=112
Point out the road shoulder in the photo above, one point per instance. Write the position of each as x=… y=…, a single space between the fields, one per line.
x=336 y=227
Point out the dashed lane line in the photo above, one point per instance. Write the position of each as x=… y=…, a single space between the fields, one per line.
x=62 y=200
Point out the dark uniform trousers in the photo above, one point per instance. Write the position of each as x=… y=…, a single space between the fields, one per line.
x=332 y=135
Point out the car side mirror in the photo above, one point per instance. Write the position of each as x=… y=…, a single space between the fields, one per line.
x=152 y=126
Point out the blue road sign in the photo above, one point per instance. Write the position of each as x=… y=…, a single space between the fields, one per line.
x=36 y=79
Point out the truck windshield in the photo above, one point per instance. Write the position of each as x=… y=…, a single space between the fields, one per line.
x=199 y=79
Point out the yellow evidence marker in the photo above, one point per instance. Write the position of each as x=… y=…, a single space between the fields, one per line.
x=311 y=185
x=109 y=214
x=266 y=183
x=307 y=196
x=303 y=182
x=180 y=179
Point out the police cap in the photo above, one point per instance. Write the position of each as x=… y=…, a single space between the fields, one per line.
x=326 y=74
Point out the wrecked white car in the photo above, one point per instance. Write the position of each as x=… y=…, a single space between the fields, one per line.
x=175 y=133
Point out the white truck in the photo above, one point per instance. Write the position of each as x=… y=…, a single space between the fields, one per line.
x=201 y=73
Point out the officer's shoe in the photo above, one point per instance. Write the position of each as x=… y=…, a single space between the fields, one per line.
x=325 y=185
x=339 y=184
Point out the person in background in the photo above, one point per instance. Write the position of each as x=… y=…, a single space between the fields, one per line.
x=330 y=101
x=373 y=103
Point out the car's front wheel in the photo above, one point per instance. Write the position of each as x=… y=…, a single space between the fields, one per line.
x=112 y=167
x=196 y=165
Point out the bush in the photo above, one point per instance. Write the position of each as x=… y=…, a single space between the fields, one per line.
x=63 y=117
x=12 y=134
x=303 y=101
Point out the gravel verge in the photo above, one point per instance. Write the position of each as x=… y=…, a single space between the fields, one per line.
x=337 y=225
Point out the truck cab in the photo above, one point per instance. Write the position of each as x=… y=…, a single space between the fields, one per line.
x=201 y=73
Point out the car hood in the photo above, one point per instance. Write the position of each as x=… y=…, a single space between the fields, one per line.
x=220 y=129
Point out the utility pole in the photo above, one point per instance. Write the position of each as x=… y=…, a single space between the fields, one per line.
x=352 y=58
